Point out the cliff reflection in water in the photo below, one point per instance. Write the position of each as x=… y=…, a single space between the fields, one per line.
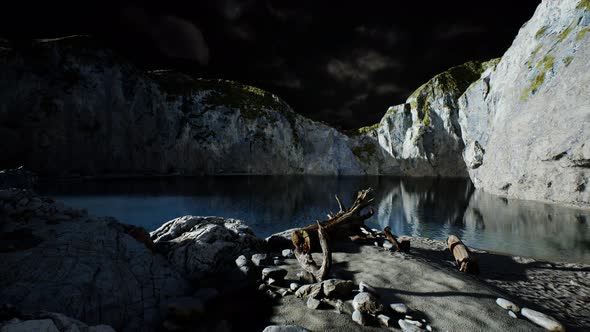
x=427 y=207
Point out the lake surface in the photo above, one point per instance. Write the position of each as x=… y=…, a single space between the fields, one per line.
x=427 y=207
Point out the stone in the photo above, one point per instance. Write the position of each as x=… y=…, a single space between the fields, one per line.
x=414 y=322
x=313 y=303
x=278 y=262
x=340 y=306
x=206 y=295
x=242 y=261
x=359 y=318
x=276 y=273
x=407 y=327
x=204 y=246
x=508 y=305
x=387 y=245
x=384 y=320
x=512 y=314
x=547 y=322
x=429 y=328
x=310 y=290
x=367 y=303
x=364 y=287
x=185 y=308
x=288 y=253
x=93 y=251
x=294 y=286
x=260 y=259
x=270 y=294
x=283 y=292
x=285 y=328
x=399 y=308
x=338 y=288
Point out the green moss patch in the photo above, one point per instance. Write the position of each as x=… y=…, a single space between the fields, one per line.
x=363 y=130
x=541 y=31
x=568 y=60
x=584 y=4
x=543 y=66
x=365 y=152
x=563 y=35
x=582 y=33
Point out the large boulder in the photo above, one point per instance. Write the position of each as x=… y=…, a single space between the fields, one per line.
x=71 y=106
x=525 y=122
x=46 y=322
x=93 y=269
x=203 y=246
x=423 y=134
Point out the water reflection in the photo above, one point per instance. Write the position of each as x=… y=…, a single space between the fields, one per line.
x=426 y=207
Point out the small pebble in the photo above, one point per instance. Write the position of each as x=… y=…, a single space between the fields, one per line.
x=415 y=322
x=512 y=314
x=294 y=286
x=288 y=253
x=259 y=259
x=400 y=308
x=262 y=287
x=508 y=305
x=429 y=328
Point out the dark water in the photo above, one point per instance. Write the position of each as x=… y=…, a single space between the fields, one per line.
x=432 y=208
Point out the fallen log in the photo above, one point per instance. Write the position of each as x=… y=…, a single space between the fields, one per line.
x=345 y=223
x=463 y=257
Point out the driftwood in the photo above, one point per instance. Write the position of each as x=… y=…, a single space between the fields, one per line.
x=343 y=224
x=463 y=257
x=401 y=244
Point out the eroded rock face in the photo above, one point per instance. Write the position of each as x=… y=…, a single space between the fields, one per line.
x=423 y=136
x=70 y=106
x=59 y=259
x=525 y=123
x=201 y=246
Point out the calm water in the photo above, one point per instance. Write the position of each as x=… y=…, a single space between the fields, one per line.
x=430 y=208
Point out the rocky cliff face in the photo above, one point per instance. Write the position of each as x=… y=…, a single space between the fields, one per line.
x=526 y=122
x=423 y=136
x=68 y=106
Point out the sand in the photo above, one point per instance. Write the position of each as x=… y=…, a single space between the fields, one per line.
x=427 y=281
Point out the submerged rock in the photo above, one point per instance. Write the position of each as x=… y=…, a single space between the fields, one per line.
x=201 y=246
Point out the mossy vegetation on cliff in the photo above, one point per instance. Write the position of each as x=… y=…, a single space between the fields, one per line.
x=584 y=4
x=363 y=130
x=542 y=68
x=365 y=152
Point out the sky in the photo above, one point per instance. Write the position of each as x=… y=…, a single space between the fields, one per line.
x=340 y=62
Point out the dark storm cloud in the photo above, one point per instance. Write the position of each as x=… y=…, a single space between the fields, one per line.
x=173 y=36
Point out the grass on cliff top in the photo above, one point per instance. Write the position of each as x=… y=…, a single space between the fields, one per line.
x=363 y=130
x=250 y=100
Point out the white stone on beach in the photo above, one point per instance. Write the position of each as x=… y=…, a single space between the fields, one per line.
x=400 y=308
x=508 y=305
x=545 y=321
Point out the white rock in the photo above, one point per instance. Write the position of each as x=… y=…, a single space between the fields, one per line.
x=407 y=327
x=259 y=259
x=400 y=308
x=294 y=286
x=512 y=314
x=288 y=253
x=359 y=317
x=508 y=305
x=543 y=320
x=384 y=320
x=367 y=303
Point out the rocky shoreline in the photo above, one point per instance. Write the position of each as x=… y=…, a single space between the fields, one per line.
x=208 y=272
